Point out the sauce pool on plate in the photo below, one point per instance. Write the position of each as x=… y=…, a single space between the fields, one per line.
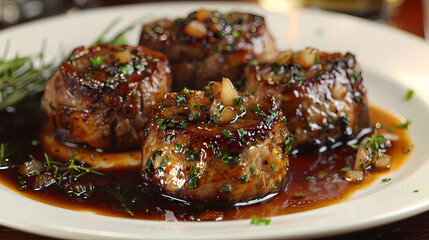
x=314 y=181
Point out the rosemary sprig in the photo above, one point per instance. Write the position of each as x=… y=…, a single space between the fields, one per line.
x=5 y=152
x=122 y=195
x=25 y=76
x=71 y=170
x=21 y=77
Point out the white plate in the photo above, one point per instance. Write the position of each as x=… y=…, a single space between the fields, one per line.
x=392 y=62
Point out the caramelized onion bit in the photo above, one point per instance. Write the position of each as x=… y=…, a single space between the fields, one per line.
x=354 y=176
x=196 y=29
x=306 y=57
x=228 y=93
x=363 y=159
x=202 y=15
x=284 y=57
x=123 y=57
x=382 y=161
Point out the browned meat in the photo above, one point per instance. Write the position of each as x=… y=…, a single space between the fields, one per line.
x=102 y=96
x=216 y=146
x=321 y=94
x=208 y=45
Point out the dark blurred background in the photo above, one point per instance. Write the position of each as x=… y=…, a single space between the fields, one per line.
x=403 y=14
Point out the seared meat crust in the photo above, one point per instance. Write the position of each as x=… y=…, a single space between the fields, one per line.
x=324 y=101
x=102 y=96
x=192 y=154
x=208 y=45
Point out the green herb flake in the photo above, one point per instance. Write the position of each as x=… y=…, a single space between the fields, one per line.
x=406 y=150
x=416 y=191
x=97 y=61
x=254 y=63
x=299 y=195
x=186 y=90
x=180 y=99
x=409 y=95
x=226 y=133
x=193 y=178
x=310 y=178
x=252 y=170
x=259 y=221
x=345 y=169
x=241 y=133
x=226 y=188
x=287 y=143
x=243 y=179
x=405 y=125
x=273 y=167
x=386 y=179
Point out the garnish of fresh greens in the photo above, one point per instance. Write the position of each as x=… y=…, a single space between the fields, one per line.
x=409 y=95
x=21 y=77
x=122 y=195
x=260 y=221
x=5 y=152
x=25 y=76
x=71 y=170
x=374 y=142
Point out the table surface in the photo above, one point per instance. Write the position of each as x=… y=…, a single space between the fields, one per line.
x=408 y=18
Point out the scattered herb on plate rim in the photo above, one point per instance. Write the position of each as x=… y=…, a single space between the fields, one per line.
x=259 y=221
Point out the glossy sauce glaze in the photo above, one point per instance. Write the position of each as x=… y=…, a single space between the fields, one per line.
x=315 y=180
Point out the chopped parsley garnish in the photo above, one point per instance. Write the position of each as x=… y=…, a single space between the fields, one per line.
x=125 y=69
x=345 y=169
x=273 y=167
x=310 y=178
x=345 y=120
x=211 y=95
x=226 y=188
x=228 y=157
x=356 y=76
x=405 y=125
x=241 y=133
x=416 y=191
x=150 y=162
x=186 y=90
x=299 y=195
x=260 y=221
x=164 y=161
x=409 y=95
x=254 y=63
x=243 y=179
x=155 y=59
x=193 y=178
x=226 y=133
x=252 y=170
x=97 y=61
x=385 y=179
x=180 y=99
x=317 y=59
x=238 y=101
x=287 y=143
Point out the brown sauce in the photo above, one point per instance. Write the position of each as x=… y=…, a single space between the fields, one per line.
x=329 y=186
